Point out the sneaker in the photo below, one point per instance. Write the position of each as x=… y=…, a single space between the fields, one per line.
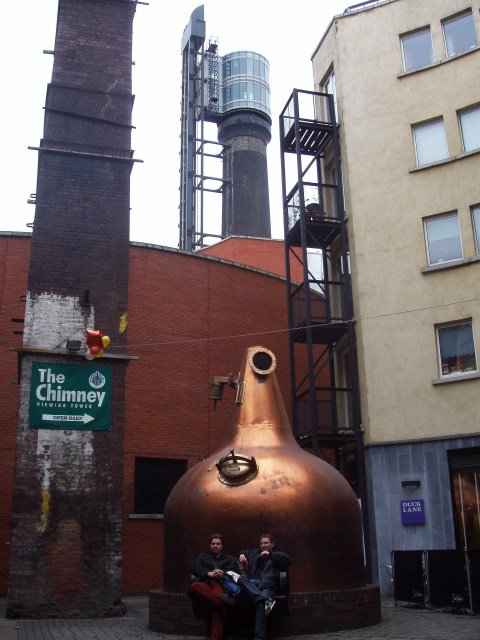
x=233 y=575
x=269 y=604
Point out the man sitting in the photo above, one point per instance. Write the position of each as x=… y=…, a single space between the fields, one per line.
x=261 y=580
x=209 y=568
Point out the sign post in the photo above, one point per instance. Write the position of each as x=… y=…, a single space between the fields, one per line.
x=71 y=396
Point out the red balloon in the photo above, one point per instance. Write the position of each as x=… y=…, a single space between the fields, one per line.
x=94 y=341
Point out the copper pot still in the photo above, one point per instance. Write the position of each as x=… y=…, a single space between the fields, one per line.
x=260 y=480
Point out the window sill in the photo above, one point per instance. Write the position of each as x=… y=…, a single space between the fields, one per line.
x=459 y=377
x=448 y=160
x=441 y=266
x=145 y=516
x=439 y=63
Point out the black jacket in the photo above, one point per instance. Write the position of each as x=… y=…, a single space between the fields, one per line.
x=270 y=574
x=206 y=562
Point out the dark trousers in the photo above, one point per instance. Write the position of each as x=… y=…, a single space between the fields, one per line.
x=210 y=591
x=251 y=587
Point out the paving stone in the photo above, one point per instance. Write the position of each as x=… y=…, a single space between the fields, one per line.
x=398 y=623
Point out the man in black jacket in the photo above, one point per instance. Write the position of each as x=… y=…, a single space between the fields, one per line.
x=261 y=578
x=208 y=569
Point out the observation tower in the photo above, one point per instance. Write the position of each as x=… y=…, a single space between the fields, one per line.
x=232 y=91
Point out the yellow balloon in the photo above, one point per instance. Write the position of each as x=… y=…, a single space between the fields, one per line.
x=99 y=354
x=105 y=341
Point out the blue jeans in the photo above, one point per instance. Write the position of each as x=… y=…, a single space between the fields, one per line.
x=251 y=587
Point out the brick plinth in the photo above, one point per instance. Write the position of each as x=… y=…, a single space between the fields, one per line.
x=308 y=613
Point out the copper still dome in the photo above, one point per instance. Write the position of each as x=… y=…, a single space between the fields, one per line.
x=260 y=480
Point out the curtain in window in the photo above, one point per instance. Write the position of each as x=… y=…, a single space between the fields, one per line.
x=417 y=50
x=476 y=226
x=470 y=122
x=443 y=237
x=457 y=351
x=456 y=340
x=459 y=34
x=430 y=142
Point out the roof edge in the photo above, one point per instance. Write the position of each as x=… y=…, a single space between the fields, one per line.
x=352 y=10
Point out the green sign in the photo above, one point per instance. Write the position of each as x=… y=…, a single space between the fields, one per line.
x=71 y=396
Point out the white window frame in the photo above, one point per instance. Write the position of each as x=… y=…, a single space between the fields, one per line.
x=437 y=218
x=472 y=113
x=475 y=212
x=444 y=369
x=420 y=152
x=404 y=37
x=452 y=19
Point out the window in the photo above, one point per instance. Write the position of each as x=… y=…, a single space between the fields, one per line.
x=442 y=235
x=459 y=34
x=456 y=349
x=470 y=126
x=430 y=142
x=417 y=49
x=330 y=191
x=329 y=86
x=476 y=226
x=465 y=480
x=154 y=479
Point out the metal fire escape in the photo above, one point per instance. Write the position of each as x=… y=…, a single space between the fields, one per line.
x=324 y=384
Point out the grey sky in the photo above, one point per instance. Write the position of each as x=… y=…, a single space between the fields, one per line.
x=268 y=28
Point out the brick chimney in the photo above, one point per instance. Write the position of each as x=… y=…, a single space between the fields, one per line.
x=66 y=546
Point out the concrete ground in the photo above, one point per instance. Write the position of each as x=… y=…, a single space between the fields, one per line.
x=398 y=623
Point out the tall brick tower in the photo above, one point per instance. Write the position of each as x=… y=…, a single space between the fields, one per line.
x=66 y=523
x=245 y=204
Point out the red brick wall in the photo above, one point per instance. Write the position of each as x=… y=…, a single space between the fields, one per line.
x=14 y=256
x=190 y=318
x=268 y=255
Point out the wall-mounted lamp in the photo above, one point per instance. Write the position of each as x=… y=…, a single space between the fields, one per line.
x=411 y=483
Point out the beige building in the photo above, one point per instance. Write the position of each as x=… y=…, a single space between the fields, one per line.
x=406 y=80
